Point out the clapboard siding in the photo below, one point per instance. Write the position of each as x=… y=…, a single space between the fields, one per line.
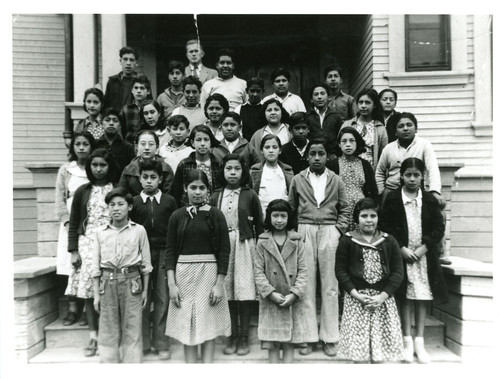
x=25 y=223
x=362 y=73
x=38 y=56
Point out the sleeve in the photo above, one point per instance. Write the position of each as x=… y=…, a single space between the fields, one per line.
x=224 y=244
x=263 y=286
x=168 y=177
x=382 y=140
x=96 y=257
x=432 y=166
x=342 y=208
x=342 y=264
x=144 y=250
x=389 y=220
x=123 y=117
x=107 y=100
x=381 y=171
x=178 y=183
x=60 y=195
x=299 y=288
x=395 y=266
x=436 y=222
x=74 y=220
x=124 y=181
x=336 y=128
x=370 y=187
x=300 y=105
x=292 y=195
x=353 y=109
x=258 y=220
x=171 y=245
x=237 y=109
x=204 y=95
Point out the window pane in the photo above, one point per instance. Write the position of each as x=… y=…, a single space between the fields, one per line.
x=427 y=42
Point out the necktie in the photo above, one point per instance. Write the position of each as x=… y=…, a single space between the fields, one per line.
x=194 y=72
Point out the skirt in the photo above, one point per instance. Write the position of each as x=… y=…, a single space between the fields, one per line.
x=240 y=280
x=196 y=321
x=367 y=335
x=63 y=260
x=80 y=282
x=418 y=287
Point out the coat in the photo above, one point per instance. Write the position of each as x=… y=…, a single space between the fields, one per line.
x=393 y=221
x=285 y=273
x=256 y=175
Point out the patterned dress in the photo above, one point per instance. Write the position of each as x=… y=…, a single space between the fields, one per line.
x=367 y=131
x=80 y=282
x=370 y=335
x=352 y=174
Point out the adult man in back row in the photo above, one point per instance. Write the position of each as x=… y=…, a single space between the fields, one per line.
x=195 y=53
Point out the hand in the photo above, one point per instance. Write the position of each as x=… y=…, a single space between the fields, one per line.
x=440 y=199
x=175 y=295
x=277 y=298
x=421 y=251
x=289 y=300
x=216 y=294
x=363 y=299
x=66 y=226
x=144 y=299
x=408 y=255
x=76 y=261
x=97 y=302
x=376 y=301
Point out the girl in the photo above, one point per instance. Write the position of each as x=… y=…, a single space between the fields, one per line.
x=202 y=140
x=93 y=100
x=245 y=224
x=276 y=118
x=369 y=268
x=146 y=143
x=369 y=124
x=153 y=118
x=281 y=278
x=197 y=255
x=356 y=173
x=271 y=178
x=70 y=176
x=215 y=106
x=388 y=99
x=414 y=218
x=89 y=212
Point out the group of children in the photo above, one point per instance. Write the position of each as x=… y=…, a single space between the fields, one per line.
x=175 y=227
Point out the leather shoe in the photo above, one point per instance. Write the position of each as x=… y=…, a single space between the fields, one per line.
x=163 y=355
x=70 y=319
x=306 y=350
x=331 y=349
x=91 y=350
x=232 y=346
x=243 y=348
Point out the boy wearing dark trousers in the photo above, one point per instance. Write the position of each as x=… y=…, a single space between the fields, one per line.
x=152 y=209
x=319 y=198
x=121 y=264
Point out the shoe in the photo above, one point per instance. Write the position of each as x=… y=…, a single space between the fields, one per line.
x=420 y=352
x=306 y=350
x=407 y=349
x=70 y=319
x=330 y=348
x=83 y=320
x=232 y=346
x=243 y=348
x=91 y=350
x=163 y=355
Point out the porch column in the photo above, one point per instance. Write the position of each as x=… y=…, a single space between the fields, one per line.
x=84 y=51
x=114 y=37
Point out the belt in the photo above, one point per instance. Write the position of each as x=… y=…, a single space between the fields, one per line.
x=124 y=270
x=230 y=229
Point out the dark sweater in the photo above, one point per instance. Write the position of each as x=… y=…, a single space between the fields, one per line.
x=250 y=119
x=122 y=151
x=390 y=127
x=329 y=130
x=291 y=156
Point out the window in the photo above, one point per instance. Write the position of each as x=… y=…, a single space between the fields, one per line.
x=428 y=46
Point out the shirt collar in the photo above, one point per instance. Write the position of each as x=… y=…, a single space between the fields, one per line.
x=207 y=163
x=411 y=144
x=145 y=197
x=191 y=67
x=109 y=225
x=301 y=149
x=228 y=192
x=319 y=113
x=268 y=129
x=407 y=200
x=309 y=172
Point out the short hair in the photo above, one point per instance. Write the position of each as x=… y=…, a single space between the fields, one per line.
x=177 y=119
x=85 y=134
x=297 y=118
x=284 y=114
x=245 y=171
x=235 y=116
x=119 y=192
x=278 y=72
x=268 y=137
x=113 y=112
x=151 y=165
x=113 y=172
x=412 y=162
x=196 y=174
x=191 y=80
x=333 y=67
x=224 y=51
x=203 y=129
x=361 y=205
x=322 y=85
x=255 y=80
x=280 y=205
x=216 y=97
x=373 y=95
x=129 y=50
x=162 y=121
x=388 y=90
x=316 y=141
x=409 y=115
x=360 y=142
x=142 y=79
x=172 y=65
x=93 y=91
x=147 y=131
x=194 y=41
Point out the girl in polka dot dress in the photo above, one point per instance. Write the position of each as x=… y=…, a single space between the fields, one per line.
x=369 y=268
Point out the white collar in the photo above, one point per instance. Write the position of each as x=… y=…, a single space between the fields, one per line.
x=145 y=197
x=407 y=200
x=309 y=172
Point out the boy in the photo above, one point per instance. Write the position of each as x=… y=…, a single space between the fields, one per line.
x=293 y=152
x=152 y=209
x=250 y=111
x=227 y=84
x=340 y=102
x=141 y=90
x=173 y=96
x=118 y=88
x=191 y=108
x=233 y=142
x=324 y=122
x=281 y=81
x=318 y=196
x=122 y=151
x=195 y=53
x=178 y=147
x=121 y=257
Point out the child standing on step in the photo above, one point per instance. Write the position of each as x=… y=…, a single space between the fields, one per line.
x=414 y=218
x=241 y=207
x=370 y=269
x=121 y=259
x=281 y=278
